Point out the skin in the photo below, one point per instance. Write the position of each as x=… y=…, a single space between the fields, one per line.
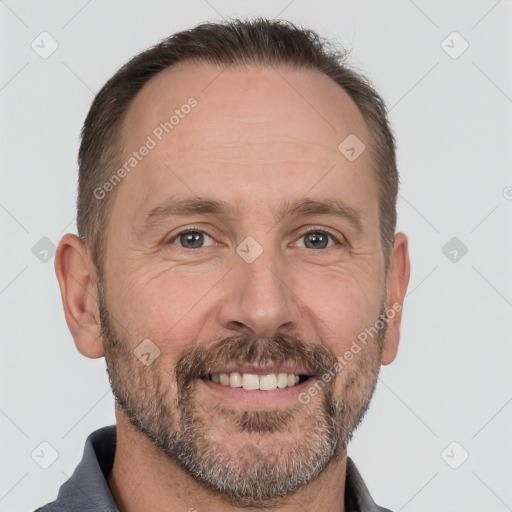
x=257 y=137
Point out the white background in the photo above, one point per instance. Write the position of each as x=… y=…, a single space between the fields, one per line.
x=452 y=118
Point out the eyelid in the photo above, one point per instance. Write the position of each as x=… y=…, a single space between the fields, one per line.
x=189 y=229
x=338 y=239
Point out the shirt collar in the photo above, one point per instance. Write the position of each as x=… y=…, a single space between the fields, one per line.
x=87 y=488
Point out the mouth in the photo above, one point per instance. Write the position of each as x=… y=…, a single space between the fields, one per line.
x=254 y=387
x=256 y=381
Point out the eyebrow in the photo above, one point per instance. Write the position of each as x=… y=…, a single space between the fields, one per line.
x=176 y=208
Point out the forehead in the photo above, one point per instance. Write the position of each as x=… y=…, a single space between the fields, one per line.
x=254 y=133
x=259 y=101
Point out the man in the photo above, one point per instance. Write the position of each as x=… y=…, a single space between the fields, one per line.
x=237 y=265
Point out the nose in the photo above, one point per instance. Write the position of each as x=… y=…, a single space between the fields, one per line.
x=259 y=299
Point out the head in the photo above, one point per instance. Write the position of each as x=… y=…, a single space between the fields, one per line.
x=221 y=221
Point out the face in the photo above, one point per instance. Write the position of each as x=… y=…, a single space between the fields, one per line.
x=245 y=246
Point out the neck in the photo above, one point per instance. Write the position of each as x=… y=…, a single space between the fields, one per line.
x=144 y=479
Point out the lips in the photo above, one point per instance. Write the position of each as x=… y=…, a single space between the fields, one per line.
x=253 y=381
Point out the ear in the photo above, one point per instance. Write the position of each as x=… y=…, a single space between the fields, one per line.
x=77 y=280
x=397 y=281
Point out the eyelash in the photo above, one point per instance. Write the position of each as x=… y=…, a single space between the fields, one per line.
x=194 y=229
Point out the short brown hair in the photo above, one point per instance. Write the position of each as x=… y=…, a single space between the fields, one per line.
x=231 y=43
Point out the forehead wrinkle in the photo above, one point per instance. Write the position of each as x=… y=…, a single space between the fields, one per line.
x=157 y=99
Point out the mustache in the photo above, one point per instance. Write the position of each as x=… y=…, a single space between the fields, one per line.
x=197 y=362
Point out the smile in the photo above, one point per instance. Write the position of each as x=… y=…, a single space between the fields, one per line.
x=250 y=381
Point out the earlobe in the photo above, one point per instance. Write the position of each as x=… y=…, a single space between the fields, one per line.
x=397 y=282
x=77 y=282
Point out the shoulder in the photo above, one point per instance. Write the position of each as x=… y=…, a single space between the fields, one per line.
x=51 y=507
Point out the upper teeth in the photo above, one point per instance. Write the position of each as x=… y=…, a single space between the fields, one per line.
x=250 y=381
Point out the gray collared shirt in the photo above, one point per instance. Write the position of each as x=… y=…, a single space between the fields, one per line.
x=87 y=489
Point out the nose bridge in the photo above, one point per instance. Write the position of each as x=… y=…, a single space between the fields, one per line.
x=259 y=299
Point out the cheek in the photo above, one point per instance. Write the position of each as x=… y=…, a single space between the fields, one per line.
x=164 y=306
x=343 y=309
x=357 y=372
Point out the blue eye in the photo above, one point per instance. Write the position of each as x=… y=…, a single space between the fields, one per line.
x=317 y=239
x=191 y=239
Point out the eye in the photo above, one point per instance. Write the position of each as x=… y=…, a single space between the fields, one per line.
x=191 y=238
x=318 y=239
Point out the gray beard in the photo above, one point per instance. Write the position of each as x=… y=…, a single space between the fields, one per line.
x=268 y=467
